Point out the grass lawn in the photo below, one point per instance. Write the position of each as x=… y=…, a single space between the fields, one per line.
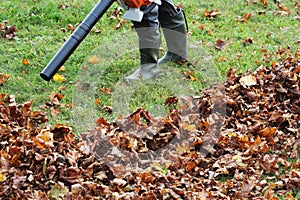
x=251 y=35
x=270 y=33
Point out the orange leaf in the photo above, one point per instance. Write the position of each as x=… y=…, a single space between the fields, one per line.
x=247 y=16
x=283 y=8
x=211 y=13
x=190 y=166
x=266 y=132
x=97 y=101
x=265 y=2
x=25 y=61
x=93 y=60
x=4 y=78
x=257 y=141
x=106 y=90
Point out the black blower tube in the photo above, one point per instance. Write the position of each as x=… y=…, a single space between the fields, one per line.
x=75 y=39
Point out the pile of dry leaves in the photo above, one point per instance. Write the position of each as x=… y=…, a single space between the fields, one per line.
x=239 y=139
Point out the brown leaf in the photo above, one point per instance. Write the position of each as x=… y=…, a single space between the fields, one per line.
x=211 y=14
x=245 y=18
x=267 y=132
x=265 y=2
x=248 y=41
x=171 y=101
x=283 y=8
x=8 y=32
x=190 y=165
x=4 y=78
x=93 y=59
x=220 y=44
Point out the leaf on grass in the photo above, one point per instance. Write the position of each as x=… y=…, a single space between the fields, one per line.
x=58 y=78
x=7 y=32
x=211 y=14
x=97 y=101
x=4 y=78
x=283 y=8
x=62 y=69
x=106 y=90
x=25 y=61
x=54 y=111
x=248 y=41
x=265 y=2
x=220 y=44
x=93 y=59
x=245 y=18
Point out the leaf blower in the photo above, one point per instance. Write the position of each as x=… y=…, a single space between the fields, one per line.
x=132 y=13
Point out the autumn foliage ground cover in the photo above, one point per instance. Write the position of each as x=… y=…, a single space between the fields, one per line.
x=255 y=156
x=237 y=140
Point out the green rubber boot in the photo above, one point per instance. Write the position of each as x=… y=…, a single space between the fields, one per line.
x=174 y=31
x=149 y=42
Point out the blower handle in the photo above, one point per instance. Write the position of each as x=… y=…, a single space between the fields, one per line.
x=75 y=39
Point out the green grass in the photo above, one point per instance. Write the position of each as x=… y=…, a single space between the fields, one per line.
x=40 y=35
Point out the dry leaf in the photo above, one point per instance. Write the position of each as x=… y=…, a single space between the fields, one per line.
x=211 y=14
x=25 y=61
x=58 y=78
x=249 y=80
x=4 y=78
x=93 y=60
x=220 y=44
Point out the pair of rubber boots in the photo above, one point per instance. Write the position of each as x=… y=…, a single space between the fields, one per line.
x=174 y=31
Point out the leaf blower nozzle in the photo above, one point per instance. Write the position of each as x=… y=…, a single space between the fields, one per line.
x=75 y=39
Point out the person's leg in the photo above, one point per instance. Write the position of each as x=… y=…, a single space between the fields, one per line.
x=173 y=25
x=149 y=42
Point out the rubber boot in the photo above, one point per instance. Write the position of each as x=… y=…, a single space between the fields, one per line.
x=149 y=42
x=174 y=31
